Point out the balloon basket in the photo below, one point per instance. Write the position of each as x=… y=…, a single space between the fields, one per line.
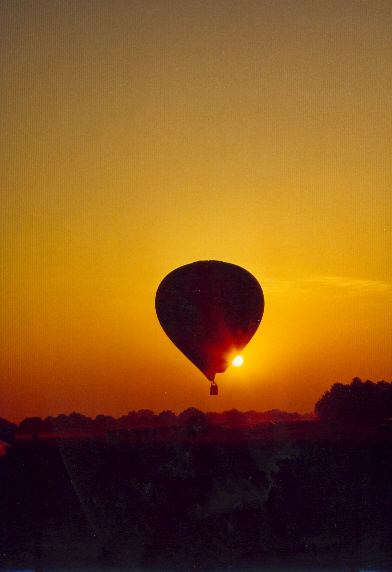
x=213 y=389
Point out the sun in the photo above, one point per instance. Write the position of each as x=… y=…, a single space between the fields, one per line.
x=237 y=361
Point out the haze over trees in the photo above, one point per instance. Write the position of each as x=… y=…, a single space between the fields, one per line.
x=79 y=423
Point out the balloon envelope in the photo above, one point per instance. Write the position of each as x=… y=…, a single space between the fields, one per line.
x=210 y=310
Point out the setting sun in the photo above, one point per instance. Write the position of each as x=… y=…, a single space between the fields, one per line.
x=237 y=361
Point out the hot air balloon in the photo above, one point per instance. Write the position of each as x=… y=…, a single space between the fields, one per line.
x=210 y=310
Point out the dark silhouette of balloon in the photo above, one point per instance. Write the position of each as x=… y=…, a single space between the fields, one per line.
x=210 y=310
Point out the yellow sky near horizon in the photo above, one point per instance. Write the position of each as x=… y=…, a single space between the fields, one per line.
x=141 y=136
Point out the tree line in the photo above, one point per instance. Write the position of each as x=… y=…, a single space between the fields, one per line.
x=360 y=403
x=79 y=423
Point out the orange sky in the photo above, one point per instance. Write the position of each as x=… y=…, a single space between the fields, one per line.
x=141 y=136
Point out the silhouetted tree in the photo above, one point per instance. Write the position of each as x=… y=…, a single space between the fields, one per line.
x=79 y=423
x=196 y=415
x=128 y=421
x=167 y=418
x=251 y=417
x=59 y=423
x=234 y=417
x=194 y=421
x=7 y=426
x=103 y=423
x=32 y=425
x=360 y=403
x=74 y=423
x=48 y=426
x=215 y=418
x=146 y=417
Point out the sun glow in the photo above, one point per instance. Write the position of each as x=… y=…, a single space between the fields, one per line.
x=237 y=361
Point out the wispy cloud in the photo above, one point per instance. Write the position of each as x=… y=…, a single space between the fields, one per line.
x=353 y=284
x=341 y=285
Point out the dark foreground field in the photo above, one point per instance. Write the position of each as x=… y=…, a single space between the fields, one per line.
x=209 y=504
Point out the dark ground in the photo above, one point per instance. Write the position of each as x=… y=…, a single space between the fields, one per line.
x=256 y=503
